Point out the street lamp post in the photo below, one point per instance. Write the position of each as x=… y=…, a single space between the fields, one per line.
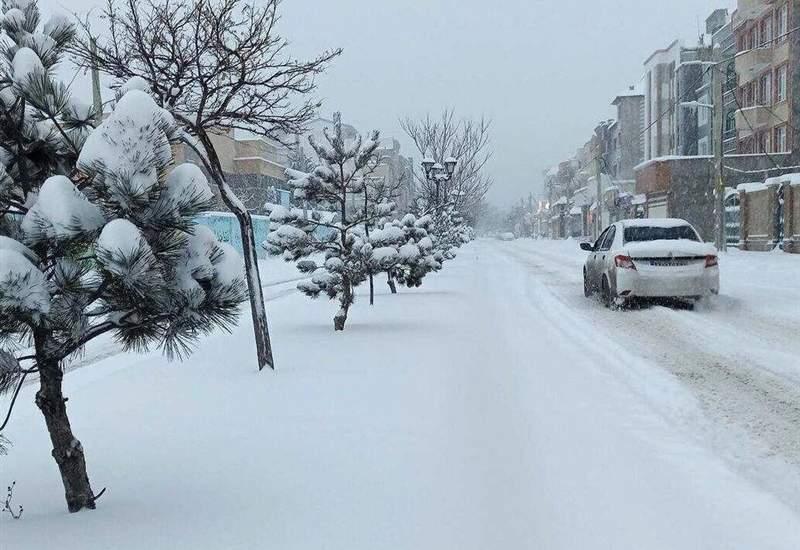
x=437 y=174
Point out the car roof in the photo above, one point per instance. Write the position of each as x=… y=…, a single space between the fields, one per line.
x=655 y=222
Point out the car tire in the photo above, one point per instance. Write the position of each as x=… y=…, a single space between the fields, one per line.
x=609 y=298
x=587 y=287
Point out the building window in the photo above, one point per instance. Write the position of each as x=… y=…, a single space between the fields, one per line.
x=765 y=89
x=780 y=139
x=730 y=76
x=781 y=19
x=703 y=113
x=730 y=121
x=703 y=146
x=764 y=142
x=766 y=31
x=752 y=37
x=780 y=84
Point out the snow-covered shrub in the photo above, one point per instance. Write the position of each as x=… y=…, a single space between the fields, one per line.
x=414 y=257
x=348 y=256
x=96 y=230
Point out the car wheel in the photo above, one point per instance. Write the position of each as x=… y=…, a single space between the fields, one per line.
x=610 y=298
x=587 y=287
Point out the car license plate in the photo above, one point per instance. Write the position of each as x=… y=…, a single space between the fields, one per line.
x=669 y=263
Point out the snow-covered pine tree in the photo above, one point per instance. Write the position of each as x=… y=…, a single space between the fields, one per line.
x=415 y=256
x=95 y=235
x=449 y=231
x=335 y=184
x=218 y=66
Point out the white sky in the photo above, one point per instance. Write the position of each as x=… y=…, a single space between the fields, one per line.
x=544 y=71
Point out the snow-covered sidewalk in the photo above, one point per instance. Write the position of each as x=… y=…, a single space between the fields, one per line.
x=491 y=408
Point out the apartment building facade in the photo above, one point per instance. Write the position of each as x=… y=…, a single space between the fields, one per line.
x=719 y=27
x=629 y=142
x=766 y=61
x=674 y=77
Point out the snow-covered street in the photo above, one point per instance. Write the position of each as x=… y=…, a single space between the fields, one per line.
x=494 y=407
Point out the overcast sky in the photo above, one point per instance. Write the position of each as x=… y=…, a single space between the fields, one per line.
x=545 y=72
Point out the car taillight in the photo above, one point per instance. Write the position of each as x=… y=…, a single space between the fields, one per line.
x=624 y=262
x=711 y=261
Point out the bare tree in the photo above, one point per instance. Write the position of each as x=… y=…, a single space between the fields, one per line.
x=217 y=66
x=465 y=139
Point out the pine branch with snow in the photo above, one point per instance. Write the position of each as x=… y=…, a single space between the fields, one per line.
x=96 y=232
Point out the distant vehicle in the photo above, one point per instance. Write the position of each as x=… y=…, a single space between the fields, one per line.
x=507 y=236
x=650 y=258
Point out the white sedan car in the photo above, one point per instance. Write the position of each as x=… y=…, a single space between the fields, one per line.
x=650 y=258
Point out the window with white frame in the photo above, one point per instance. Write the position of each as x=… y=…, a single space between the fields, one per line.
x=703 y=146
x=780 y=139
x=765 y=142
x=780 y=77
x=781 y=19
x=703 y=114
x=765 y=89
x=766 y=31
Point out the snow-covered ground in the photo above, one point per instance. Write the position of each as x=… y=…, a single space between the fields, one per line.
x=494 y=407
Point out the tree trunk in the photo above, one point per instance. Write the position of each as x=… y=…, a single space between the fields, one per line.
x=235 y=205
x=257 y=307
x=371 y=290
x=346 y=301
x=67 y=450
x=390 y=282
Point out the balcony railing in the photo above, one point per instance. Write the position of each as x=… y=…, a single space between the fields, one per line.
x=751 y=119
x=751 y=63
x=752 y=9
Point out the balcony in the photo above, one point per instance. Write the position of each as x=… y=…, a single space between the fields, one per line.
x=751 y=63
x=753 y=118
x=752 y=9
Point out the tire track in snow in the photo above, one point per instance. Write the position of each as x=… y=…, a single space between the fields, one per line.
x=739 y=389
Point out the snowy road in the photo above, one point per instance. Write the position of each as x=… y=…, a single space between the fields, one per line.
x=739 y=355
x=493 y=408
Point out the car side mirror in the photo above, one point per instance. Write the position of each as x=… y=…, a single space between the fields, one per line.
x=588 y=247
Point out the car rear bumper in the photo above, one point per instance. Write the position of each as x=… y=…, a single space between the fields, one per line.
x=632 y=283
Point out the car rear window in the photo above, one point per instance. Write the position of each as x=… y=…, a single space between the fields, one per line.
x=650 y=233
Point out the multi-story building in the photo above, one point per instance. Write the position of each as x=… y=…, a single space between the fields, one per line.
x=397 y=172
x=674 y=77
x=720 y=26
x=254 y=167
x=765 y=65
x=719 y=31
x=629 y=142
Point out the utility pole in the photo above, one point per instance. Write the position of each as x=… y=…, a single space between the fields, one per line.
x=721 y=239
